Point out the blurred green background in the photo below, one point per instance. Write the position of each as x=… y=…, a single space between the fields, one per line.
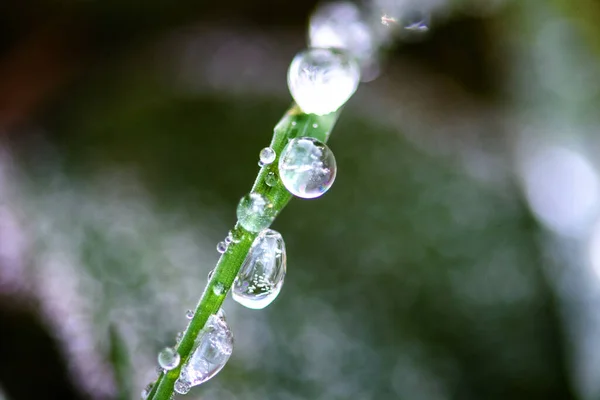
x=456 y=256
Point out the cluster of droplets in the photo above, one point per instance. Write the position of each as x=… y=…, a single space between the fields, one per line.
x=343 y=45
x=224 y=245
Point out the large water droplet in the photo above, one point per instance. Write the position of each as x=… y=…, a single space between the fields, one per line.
x=211 y=352
x=261 y=276
x=255 y=212
x=168 y=358
x=307 y=167
x=322 y=80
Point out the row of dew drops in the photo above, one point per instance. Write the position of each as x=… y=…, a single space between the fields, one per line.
x=320 y=80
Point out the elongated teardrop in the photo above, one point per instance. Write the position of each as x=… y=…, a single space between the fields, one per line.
x=212 y=349
x=261 y=276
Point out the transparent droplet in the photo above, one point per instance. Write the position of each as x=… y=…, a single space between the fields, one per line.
x=221 y=247
x=342 y=25
x=267 y=156
x=229 y=238
x=168 y=358
x=179 y=337
x=182 y=387
x=212 y=350
x=307 y=167
x=219 y=289
x=261 y=276
x=322 y=80
x=189 y=314
x=271 y=179
x=255 y=212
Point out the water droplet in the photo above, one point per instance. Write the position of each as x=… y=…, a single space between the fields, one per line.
x=179 y=337
x=261 y=276
x=219 y=289
x=341 y=25
x=255 y=212
x=307 y=167
x=189 y=314
x=168 y=358
x=315 y=126
x=267 y=156
x=182 y=387
x=229 y=238
x=221 y=247
x=271 y=179
x=211 y=273
x=322 y=80
x=212 y=350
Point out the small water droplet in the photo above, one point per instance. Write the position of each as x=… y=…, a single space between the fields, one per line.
x=221 y=247
x=261 y=276
x=307 y=167
x=271 y=179
x=211 y=273
x=229 y=238
x=267 y=156
x=255 y=212
x=293 y=123
x=322 y=80
x=168 y=358
x=212 y=350
x=179 y=337
x=189 y=314
x=219 y=289
x=315 y=126
x=182 y=387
